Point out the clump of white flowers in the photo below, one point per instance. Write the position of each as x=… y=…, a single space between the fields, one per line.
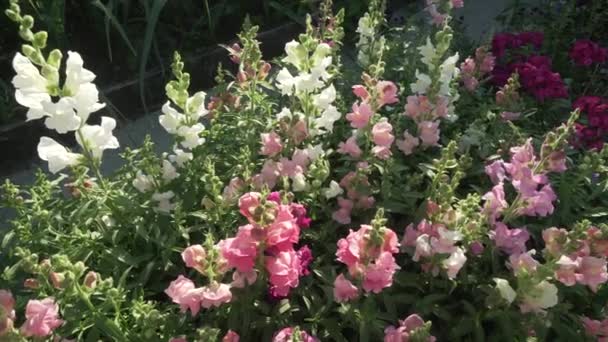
x=66 y=107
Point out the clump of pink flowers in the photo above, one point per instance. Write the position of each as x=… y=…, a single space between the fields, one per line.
x=413 y=328
x=272 y=231
x=593 y=134
x=293 y=334
x=435 y=247
x=474 y=69
x=368 y=254
x=585 y=52
x=578 y=258
x=595 y=328
x=435 y=8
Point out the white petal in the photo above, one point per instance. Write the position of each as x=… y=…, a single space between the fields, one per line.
x=55 y=154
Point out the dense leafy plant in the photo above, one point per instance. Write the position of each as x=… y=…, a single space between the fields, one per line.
x=407 y=199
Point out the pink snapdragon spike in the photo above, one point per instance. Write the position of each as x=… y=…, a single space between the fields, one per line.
x=435 y=247
x=287 y=335
x=284 y=272
x=381 y=134
x=184 y=293
x=523 y=262
x=510 y=241
x=406 y=329
x=387 y=91
x=241 y=251
x=585 y=52
x=42 y=317
x=350 y=147
x=231 y=336
x=215 y=295
x=595 y=328
x=344 y=290
x=271 y=144
x=178 y=339
x=428 y=131
x=408 y=144
x=7 y=311
x=418 y=106
x=368 y=254
x=194 y=257
x=360 y=92
x=360 y=116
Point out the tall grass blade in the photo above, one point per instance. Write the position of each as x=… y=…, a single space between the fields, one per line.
x=152 y=19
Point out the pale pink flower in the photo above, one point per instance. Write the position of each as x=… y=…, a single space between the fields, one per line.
x=495 y=202
x=271 y=144
x=554 y=239
x=241 y=280
x=511 y=241
x=215 y=295
x=194 y=257
x=381 y=134
x=496 y=171
x=457 y=3
x=360 y=92
x=454 y=263
x=240 y=252
x=178 y=339
x=379 y=274
x=7 y=311
x=342 y=215
x=232 y=190
x=382 y=152
x=284 y=271
x=42 y=317
x=90 y=279
x=388 y=93
x=417 y=106
x=231 y=336
x=566 y=271
x=592 y=272
x=360 y=116
x=344 y=290
x=283 y=232
x=428 y=131
x=248 y=203
x=271 y=170
x=286 y=335
x=408 y=143
x=523 y=262
x=183 y=292
x=509 y=116
x=350 y=147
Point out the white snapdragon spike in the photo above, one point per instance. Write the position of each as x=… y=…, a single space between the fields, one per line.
x=164 y=201
x=428 y=53
x=180 y=157
x=314 y=152
x=284 y=113
x=169 y=171
x=86 y=101
x=30 y=87
x=449 y=72
x=299 y=183
x=285 y=82
x=142 y=182
x=57 y=156
x=98 y=138
x=505 y=290
x=422 y=84
x=325 y=123
x=61 y=115
x=171 y=119
x=364 y=27
x=75 y=74
x=325 y=98
x=454 y=263
x=295 y=54
x=542 y=296
x=334 y=190
x=195 y=106
x=191 y=135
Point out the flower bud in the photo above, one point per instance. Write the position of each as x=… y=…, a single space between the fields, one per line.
x=90 y=280
x=31 y=283
x=57 y=279
x=54 y=58
x=27 y=22
x=40 y=39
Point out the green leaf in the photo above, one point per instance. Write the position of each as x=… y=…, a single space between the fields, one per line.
x=151 y=19
x=110 y=18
